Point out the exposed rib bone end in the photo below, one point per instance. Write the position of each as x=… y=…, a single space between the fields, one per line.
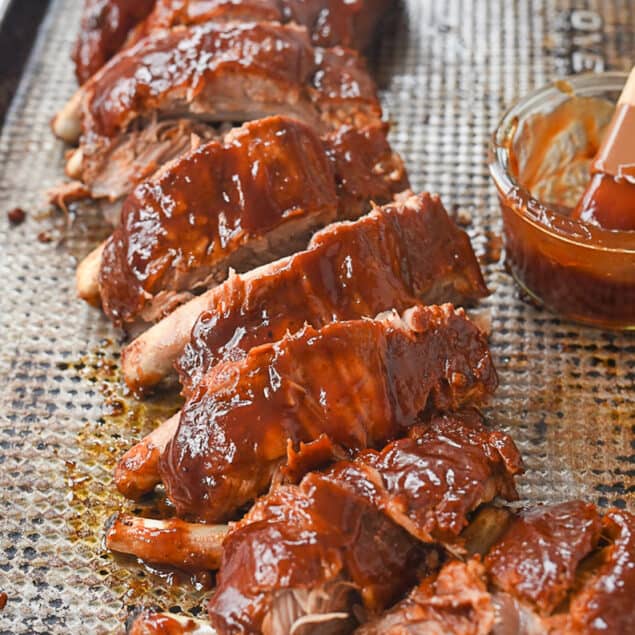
x=67 y=124
x=137 y=472
x=147 y=623
x=87 y=277
x=74 y=164
x=150 y=357
x=172 y=542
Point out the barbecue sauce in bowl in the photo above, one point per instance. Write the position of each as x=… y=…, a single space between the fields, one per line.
x=541 y=163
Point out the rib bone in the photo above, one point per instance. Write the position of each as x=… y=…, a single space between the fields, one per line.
x=173 y=542
x=396 y=255
x=138 y=470
x=87 y=276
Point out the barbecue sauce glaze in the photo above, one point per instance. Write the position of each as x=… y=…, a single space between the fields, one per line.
x=578 y=270
x=392 y=258
x=360 y=383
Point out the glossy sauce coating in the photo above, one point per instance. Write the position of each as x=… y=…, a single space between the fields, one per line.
x=453 y=602
x=448 y=468
x=366 y=168
x=229 y=72
x=537 y=557
x=605 y=604
x=303 y=536
x=104 y=29
x=348 y=23
x=333 y=22
x=182 y=226
x=430 y=482
x=310 y=538
x=358 y=382
x=392 y=258
x=170 y=13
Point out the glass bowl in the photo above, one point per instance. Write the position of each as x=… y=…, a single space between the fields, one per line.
x=539 y=159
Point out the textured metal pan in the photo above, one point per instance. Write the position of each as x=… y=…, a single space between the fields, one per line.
x=448 y=70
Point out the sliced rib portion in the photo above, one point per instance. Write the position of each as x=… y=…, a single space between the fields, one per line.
x=221 y=72
x=111 y=170
x=192 y=547
x=253 y=197
x=536 y=559
x=406 y=481
x=453 y=602
x=104 y=28
x=350 y=23
x=549 y=571
x=395 y=256
x=353 y=384
x=155 y=100
x=317 y=533
x=604 y=604
x=107 y=27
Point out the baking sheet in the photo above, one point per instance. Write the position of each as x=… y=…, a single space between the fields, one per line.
x=447 y=70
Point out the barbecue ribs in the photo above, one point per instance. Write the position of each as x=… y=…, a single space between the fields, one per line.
x=397 y=255
x=347 y=386
x=327 y=541
x=253 y=196
x=107 y=26
x=556 y=570
x=313 y=536
x=104 y=29
x=209 y=73
x=349 y=23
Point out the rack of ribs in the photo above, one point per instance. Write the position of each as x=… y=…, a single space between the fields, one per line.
x=330 y=22
x=357 y=533
x=399 y=254
x=305 y=399
x=140 y=109
x=563 y=553
x=558 y=570
x=109 y=26
x=249 y=198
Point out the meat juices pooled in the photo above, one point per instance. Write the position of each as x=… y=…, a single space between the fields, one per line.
x=248 y=199
x=396 y=256
x=349 y=23
x=104 y=28
x=319 y=534
x=351 y=384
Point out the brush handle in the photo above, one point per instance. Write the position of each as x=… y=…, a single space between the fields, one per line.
x=628 y=93
x=616 y=155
